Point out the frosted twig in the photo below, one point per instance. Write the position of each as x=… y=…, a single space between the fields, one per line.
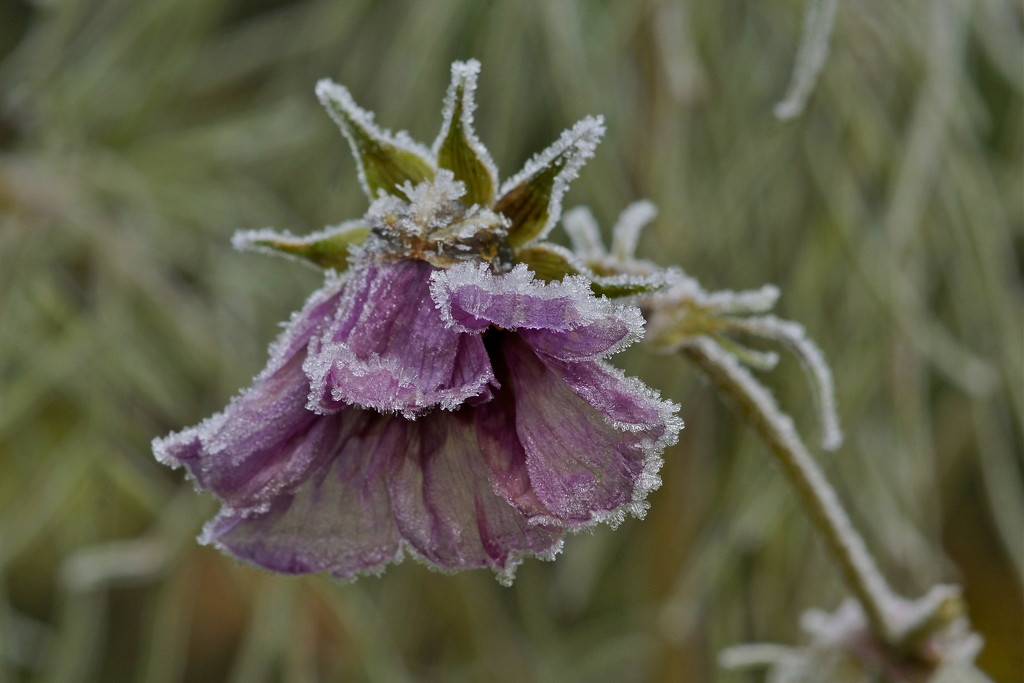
x=810 y=58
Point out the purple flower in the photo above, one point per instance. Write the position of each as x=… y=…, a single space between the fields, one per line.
x=435 y=397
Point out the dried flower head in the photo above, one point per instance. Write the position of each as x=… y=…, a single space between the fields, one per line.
x=445 y=392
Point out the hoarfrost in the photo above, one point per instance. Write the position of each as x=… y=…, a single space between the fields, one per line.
x=751 y=301
x=672 y=308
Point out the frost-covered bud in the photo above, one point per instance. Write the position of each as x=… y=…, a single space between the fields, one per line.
x=438 y=396
x=937 y=646
x=684 y=312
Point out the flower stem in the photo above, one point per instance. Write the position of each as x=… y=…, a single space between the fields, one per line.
x=816 y=495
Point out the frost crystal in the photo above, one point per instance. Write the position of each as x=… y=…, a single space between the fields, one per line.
x=436 y=397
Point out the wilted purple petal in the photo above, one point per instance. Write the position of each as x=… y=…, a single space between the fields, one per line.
x=340 y=519
x=587 y=461
x=471 y=299
x=264 y=441
x=504 y=454
x=625 y=402
x=388 y=349
x=446 y=506
x=563 y=319
x=548 y=439
x=390 y=481
x=598 y=339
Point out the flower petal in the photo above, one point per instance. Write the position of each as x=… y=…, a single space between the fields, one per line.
x=340 y=519
x=457 y=147
x=261 y=444
x=592 y=438
x=385 y=160
x=562 y=319
x=388 y=349
x=446 y=506
x=505 y=456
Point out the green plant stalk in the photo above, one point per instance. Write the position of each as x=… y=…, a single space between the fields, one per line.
x=816 y=495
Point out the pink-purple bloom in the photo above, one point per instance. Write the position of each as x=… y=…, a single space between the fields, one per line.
x=436 y=397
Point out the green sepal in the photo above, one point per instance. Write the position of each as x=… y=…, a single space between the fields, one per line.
x=532 y=200
x=385 y=161
x=615 y=290
x=459 y=150
x=548 y=262
x=326 y=249
x=527 y=205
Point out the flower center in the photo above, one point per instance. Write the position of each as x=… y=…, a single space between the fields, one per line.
x=434 y=225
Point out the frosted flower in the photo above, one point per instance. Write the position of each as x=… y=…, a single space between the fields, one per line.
x=438 y=396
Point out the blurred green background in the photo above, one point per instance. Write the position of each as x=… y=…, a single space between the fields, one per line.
x=137 y=135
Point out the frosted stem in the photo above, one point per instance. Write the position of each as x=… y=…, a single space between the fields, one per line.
x=809 y=59
x=816 y=495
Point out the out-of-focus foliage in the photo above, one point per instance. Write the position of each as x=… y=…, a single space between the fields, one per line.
x=137 y=135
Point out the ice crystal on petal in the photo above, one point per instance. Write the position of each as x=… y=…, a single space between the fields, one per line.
x=564 y=318
x=246 y=454
x=432 y=224
x=386 y=348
